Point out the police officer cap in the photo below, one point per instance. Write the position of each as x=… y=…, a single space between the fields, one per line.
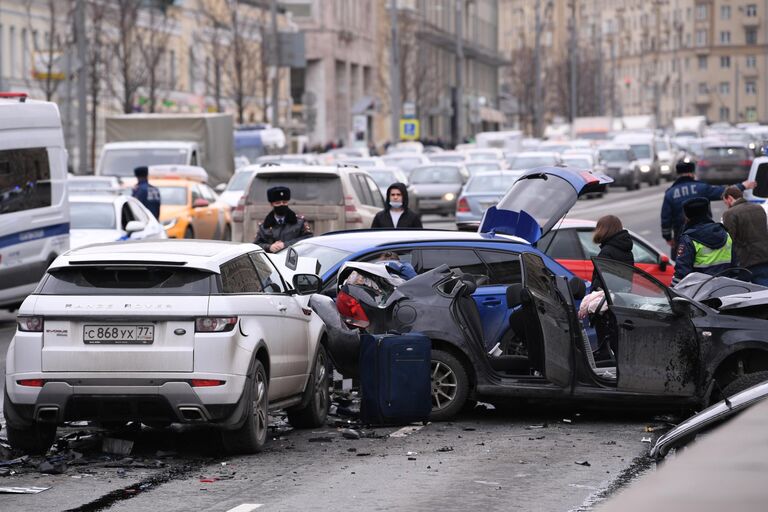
x=141 y=172
x=696 y=208
x=684 y=167
x=278 y=194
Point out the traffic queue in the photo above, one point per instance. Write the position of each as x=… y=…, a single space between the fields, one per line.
x=324 y=263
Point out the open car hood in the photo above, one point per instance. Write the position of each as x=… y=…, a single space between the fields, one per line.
x=538 y=200
x=709 y=416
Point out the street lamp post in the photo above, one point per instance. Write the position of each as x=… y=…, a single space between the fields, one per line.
x=394 y=74
x=538 y=26
x=459 y=71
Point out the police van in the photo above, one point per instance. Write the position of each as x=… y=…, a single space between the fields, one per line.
x=34 y=210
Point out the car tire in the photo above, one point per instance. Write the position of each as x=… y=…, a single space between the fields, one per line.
x=227 y=236
x=252 y=435
x=189 y=232
x=34 y=440
x=450 y=386
x=314 y=414
x=748 y=380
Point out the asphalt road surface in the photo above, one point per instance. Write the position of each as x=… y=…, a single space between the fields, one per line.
x=509 y=458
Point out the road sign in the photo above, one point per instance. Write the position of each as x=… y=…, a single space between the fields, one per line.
x=409 y=109
x=409 y=129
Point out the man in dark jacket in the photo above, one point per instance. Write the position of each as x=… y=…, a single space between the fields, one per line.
x=686 y=187
x=705 y=245
x=281 y=227
x=396 y=213
x=747 y=224
x=148 y=195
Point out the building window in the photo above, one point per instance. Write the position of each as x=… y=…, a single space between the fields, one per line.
x=24 y=52
x=12 y=40
x=751 y=10
x=725 y=37
x=701 y=38
x=751 y=61
x=702 y=11
x=703 y=88
x=750 y=87
x=751 y=114
x=725 y=113
x=702 y=61
x=725 y=12
x=725 y=61
x=725 y=88
x=172 y=69
x=750 y=35
x=299 y=8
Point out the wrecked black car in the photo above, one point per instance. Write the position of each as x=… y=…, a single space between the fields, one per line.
x=665 y=350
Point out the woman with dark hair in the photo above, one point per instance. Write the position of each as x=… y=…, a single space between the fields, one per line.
x=614 y=241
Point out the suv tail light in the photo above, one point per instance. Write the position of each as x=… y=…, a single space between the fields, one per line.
x=238 y=214
x=746 y=163
x=702 y=163
x=462 y=206
x=30 y=323
x=351 y=311
x=215 y=324
x=350 y=212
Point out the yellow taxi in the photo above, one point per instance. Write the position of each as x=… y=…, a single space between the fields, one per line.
x=189 y=208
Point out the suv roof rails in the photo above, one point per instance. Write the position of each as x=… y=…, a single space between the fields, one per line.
x=351 y=166
x=270 y=164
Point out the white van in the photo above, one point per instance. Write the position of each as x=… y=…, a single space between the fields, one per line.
x=759 y=173
x=34 y=209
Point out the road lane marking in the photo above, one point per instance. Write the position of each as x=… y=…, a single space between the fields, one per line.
x=405 y=431
x=246 y=507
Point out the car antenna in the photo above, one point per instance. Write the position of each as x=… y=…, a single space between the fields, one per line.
x=725 y=398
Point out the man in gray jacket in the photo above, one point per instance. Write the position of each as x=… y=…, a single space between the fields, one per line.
x=748 y=226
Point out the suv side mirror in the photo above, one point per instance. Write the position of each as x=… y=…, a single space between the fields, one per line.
x=307 y=284
x=200 y=203
x=663 y=262
x=134 y=226
x=221 y=187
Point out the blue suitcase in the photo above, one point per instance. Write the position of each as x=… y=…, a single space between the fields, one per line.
x=395 y=378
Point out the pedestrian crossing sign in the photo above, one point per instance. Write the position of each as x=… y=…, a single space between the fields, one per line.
x=409 y=129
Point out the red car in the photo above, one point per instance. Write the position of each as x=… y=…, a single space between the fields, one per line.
x=570 y=243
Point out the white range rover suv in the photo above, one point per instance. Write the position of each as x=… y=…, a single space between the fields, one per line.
x=166 y=332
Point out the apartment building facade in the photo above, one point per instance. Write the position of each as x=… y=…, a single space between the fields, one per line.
x=665 y=57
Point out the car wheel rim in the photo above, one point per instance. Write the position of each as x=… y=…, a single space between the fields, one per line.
x=260 y=405
x=444 y=385
x=321 y=387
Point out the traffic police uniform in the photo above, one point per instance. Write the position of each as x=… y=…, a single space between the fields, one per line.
x=684 y=189
x=705 y=246
x=148 y=195
x=281 y=223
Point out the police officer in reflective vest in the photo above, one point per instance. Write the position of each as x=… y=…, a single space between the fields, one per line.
x=686 y=187
x=146 y=193
x=705 y=246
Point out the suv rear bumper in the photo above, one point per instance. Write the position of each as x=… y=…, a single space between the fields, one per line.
x=171 y=401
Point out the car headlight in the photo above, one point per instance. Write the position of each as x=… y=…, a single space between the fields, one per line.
x=665 y=168
x=168 y=224
x=645 y=168
x=450 y=196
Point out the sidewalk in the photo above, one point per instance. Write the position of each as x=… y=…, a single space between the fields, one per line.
x=725 y=470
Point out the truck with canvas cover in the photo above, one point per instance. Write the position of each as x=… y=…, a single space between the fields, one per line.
x=134 y=140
